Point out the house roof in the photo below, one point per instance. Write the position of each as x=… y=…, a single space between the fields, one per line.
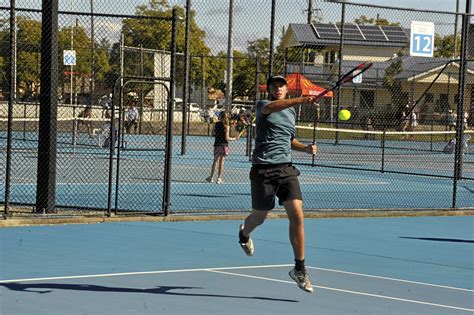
x=328 y=34
x=414 y=66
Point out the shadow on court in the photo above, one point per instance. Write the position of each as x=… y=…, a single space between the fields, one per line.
x=42 y=288
x=437 y=239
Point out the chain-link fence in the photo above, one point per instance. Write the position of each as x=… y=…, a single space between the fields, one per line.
x=113 y=102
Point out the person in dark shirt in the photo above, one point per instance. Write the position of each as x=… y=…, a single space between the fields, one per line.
x=221 y=146
x=83 y=120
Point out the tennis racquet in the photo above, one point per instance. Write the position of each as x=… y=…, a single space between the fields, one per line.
x=348 y=77
x=243 y=127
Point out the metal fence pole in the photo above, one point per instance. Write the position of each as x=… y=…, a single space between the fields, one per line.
x=458 y=156
x=230 y=61
x=341 y=47
x=272 y=39
x=11 y=102
x=47 y=145
x=184 y=108
x=169 y=123
x=92 y=80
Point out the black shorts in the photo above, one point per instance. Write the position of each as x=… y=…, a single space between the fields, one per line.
x=270 y=181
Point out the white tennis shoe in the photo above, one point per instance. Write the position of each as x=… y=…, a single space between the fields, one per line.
x=246 y=247
x=302 y=280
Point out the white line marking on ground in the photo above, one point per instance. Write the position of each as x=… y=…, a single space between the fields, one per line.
x=138 y=273
x=392 y=279
x=349 y=291
x=222 y=270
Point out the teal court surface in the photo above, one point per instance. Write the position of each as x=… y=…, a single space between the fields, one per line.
x=407 y=265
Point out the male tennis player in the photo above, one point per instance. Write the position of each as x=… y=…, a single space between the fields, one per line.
x=272 y=173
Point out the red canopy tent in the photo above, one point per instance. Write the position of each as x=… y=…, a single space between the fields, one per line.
x=300 y=85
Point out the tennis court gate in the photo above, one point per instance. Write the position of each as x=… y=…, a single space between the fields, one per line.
x=142 y=148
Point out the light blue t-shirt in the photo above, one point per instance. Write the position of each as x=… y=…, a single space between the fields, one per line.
x=274 y=134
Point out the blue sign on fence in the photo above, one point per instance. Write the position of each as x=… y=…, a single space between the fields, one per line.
x=357 y=78
x=422 y=39
x=69 y=57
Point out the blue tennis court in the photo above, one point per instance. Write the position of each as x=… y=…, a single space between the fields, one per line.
x=418 y=265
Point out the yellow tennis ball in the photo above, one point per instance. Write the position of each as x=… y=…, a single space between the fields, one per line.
x=344 y=114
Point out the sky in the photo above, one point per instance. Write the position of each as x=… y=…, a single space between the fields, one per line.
x=438 y=5
x=252 y=17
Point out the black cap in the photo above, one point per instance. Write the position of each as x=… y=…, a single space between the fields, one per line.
x=276 y=78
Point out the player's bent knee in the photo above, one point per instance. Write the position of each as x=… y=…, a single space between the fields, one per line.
x=258 y=216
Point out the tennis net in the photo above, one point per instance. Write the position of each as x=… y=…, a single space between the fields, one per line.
x=427 y=152
x=76 y=134
x=71 y=131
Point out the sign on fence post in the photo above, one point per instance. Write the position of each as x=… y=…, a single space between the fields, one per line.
x=422 y=39
x=69 y=57
x=357 y=78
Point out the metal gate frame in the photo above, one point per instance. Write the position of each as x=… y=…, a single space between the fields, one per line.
x=168 y=137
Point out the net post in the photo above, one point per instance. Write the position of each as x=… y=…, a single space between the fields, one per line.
x=431 y=138
x=382 y=143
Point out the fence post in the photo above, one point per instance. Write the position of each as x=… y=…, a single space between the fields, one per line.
x=184 y=107
x=11 y=101
x=341 y=47
x=460 y=106
x=47 y=145
x=169 y=123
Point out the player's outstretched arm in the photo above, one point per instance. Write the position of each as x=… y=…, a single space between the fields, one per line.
x=308 y=148
x=278 y=105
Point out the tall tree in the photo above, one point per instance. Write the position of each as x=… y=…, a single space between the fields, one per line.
x=28 y=55
x=156 y=34
x=394 y=86
x=444 y=45
x=364 y=20
x=4 y=51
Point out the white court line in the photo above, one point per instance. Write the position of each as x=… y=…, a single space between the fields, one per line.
x=351 y=292
x=391 y=279
x=138 y=273
x=221 y=270
x=228 y=268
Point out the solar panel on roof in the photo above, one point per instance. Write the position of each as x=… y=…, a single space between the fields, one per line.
x=370 y=28
x=393 y=29
x=395 y=33
x=369 y=33
x=352 y=31
x=372 y=33
x=326 y=30
x=378 y=38
x=391 y=33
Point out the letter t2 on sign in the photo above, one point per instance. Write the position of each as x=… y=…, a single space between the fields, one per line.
x=422 y=39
